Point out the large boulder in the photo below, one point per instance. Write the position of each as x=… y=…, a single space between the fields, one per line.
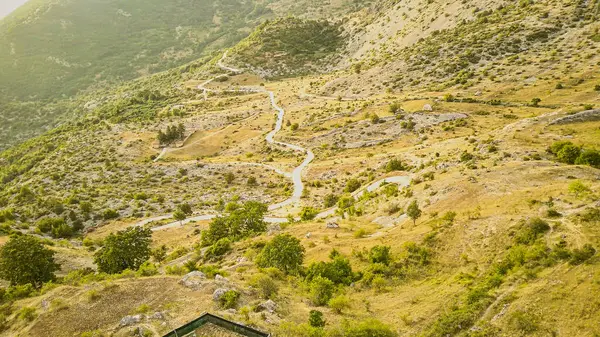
x=219 y=293
x=193 y=280
x=130 y=320
x=268 y=306
x=332 y=225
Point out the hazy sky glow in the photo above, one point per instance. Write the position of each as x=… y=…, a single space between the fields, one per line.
x=7 y=6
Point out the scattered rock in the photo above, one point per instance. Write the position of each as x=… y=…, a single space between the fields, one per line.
x=427 y=107
x=221 y=279
x=268 y=306
x=160 y=316
x=130 y=320
x=193 y=280
x=274 y=228
x=219 y=293
x=308 y=235
x=332 y=225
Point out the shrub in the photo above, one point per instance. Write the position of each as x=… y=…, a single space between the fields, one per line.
x=284 y=252
x=330 y=200
x=579 y=256
x=147 y=269
x=559 y=86
x=597 y=87
x=394 y=165
x=378 y=283
x=589 y=157
x=568 y=154
x=110 y=214
x=466 y=156
x=352 y=185
x=229 y=300
x=368 y=328
x=339 y=270
x=339 y=303
x=27 y=314
x=531 y=231
x=308 y=213
x=219 y=248
x=315 y=319
x=380 y=254
x=578 y=188
x=265 y=284
x=345 y=202
x=321 y=290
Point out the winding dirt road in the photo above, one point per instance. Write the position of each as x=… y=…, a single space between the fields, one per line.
x=270 y=138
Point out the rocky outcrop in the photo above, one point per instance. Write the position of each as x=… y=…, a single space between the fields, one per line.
x=580 y=117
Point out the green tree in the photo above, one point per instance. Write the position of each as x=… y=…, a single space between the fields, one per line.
x=413 y=211
x=315 y=319
x=240 y=223
x=568 y=154
x=535 y=101
x=352 y=185
x=330 y=200
x=308 y=213
x=578 y=188
x=589 y=157
x=185 y=208
x=127 y=249
x=339 y=304
x=380 y=254
x=23 y=260
x=179 y=215
x=321 y=290
x=284 y=252
x=394 y=165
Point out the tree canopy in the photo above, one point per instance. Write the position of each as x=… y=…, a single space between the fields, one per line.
x=284 y=252
x=23 y=260
x=127 y=249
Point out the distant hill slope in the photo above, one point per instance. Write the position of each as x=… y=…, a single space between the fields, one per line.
x=7 y=6
x=54 y=48
x=290 y=46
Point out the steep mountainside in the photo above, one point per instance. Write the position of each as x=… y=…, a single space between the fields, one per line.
x=402 y=169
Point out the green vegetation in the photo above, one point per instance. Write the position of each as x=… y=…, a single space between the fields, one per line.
x=159 y=36
x=290 y=46
x=127 y=249
x=568 y=153
x=24 y=260
x=240 y=223
x=173 y=133
x=284 y=252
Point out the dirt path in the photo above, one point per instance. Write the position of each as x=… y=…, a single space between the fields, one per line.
x=296 y=175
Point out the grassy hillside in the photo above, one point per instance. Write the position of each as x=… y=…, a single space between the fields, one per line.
x=290 y=46
x=487 y=130
x=54 y=48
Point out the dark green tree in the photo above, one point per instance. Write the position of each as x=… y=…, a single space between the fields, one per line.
x=127 y=249
x=284 y=252
x=23 y=260
x=315 y=319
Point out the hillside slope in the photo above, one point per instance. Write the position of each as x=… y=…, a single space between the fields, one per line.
x=449 y=167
